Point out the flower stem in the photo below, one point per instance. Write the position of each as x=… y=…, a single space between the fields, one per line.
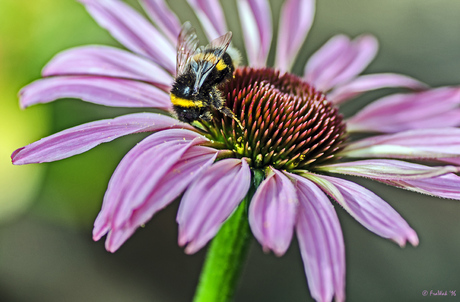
x=227 y=252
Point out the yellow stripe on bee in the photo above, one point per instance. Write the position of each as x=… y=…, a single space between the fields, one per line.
x=176 y=101
x=211 y=58
x=221 y=65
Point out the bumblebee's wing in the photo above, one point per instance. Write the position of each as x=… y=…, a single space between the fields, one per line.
x=211 y=55
x=187 y=43
x=221 y=44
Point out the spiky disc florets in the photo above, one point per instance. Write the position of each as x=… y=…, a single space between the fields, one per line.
x=287 y=124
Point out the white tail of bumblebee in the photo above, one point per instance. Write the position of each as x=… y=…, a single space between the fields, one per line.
x=235 y=55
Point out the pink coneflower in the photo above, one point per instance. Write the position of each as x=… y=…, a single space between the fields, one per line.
x=281 y=163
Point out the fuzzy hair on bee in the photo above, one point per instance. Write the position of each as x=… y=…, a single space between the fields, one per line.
x=199 y=73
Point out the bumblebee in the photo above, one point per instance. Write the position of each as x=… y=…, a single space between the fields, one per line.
x=199 y=73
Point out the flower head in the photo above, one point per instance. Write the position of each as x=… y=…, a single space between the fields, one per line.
x=292 y=132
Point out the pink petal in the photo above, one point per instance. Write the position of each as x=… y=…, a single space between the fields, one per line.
x=116 y=238
x=452 y=160
x=272 y=212
x=295 y=23
x=321 y=58
x=367 y=208
x=211 y=16
x=386 y=169
x=210 y=200
x=138 y=173
x=142 y=176
x=163 y=17
x=192 y=163
x=133 y=31
x=99 y=90
x=449 y=118
x=320 y=241
x=434 y=108
x=109 y=62
x=171 y=185
x=81 y=138
x=255 y=16
x=339 y=61
x=445 y=186
x=416 y=144
x=372 y=82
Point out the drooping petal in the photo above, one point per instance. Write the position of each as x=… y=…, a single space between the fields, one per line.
x=169 y=187
x=192 y=164
x=372 y=82
x=444 y=186
x=295 y=23
x=139 y=172
x=386 y=169
x=434 y=108
x=211 y=16
x=142 y=176
x=320 y=241
x=255 y=16
x=416 y=144
x=94 y=89
x=339 y=61
x=116 y=238
x=163 y=17
x=272 y=212
x=210 y=200
x=133 y=31
x=109 y=62
x=81 y=138
x=367 y=208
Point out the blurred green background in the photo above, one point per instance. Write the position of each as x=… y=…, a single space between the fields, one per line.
x=47 y=210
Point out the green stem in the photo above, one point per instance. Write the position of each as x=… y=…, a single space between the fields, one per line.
x=227 y=252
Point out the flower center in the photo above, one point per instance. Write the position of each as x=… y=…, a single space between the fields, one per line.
x=287 y=124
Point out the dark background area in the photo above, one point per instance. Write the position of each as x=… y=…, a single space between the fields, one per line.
x=47 y=210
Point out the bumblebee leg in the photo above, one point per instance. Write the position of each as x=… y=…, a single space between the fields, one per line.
x=218 y=103
x=216 y=99
x=206 y=116
x=229 y=113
